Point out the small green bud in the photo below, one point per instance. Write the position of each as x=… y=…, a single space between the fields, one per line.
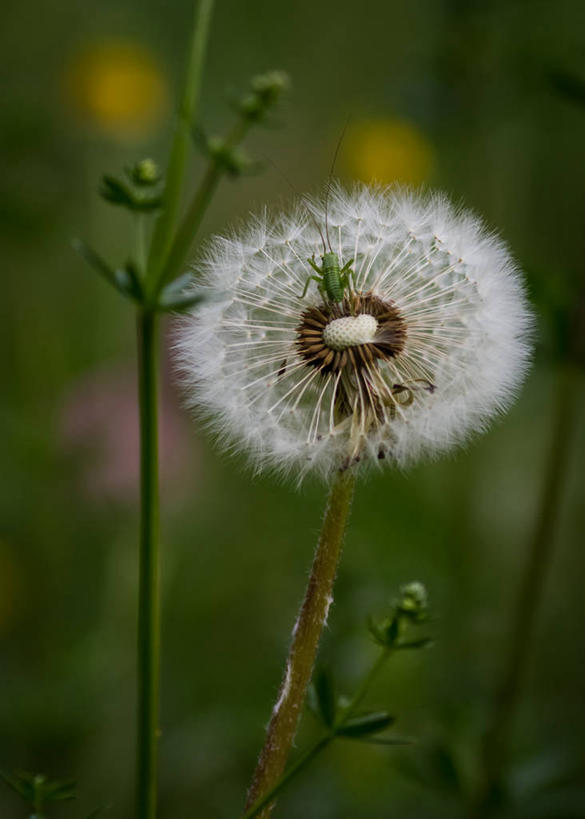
x=269 y=86
x=266 y=90
x=230 y=160
x=145 y=172
x=413 y=601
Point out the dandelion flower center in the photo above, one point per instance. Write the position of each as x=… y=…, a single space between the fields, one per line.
x=354 y=333
x=350 y=331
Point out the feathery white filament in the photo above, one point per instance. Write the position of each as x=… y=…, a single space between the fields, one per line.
x=465 y=348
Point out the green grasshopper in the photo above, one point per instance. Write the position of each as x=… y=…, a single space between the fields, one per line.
x=331 y=279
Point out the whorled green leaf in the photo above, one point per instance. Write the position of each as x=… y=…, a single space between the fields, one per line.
x=58 y=791
x=37 y=789
x=17 y=783
x=120 y=279
x=388 y=741
x=425 y=642
x=179 y=302
x=365 y=725
x=325 y=696
x=376 y=631
x=119 y=193
x=126 y=281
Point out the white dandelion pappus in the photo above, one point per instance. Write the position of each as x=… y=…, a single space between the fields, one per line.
x=431 y=339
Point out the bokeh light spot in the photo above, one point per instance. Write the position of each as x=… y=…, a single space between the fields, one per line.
x=389 y=150
x=119 y=87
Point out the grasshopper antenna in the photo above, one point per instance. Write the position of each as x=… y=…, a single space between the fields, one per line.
x=295 y=191
x=339 y=141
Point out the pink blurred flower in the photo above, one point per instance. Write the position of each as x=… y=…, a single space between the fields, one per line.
x=99 y=416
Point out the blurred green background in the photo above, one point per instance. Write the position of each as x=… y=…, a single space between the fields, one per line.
x=444 y=92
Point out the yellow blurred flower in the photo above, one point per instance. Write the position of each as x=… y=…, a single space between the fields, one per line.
x=388 y=150
x=119 y=86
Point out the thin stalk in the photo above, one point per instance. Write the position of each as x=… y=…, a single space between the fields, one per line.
x=495 y=744
x=185 y=235
x=148 y=593
x=363 y=688
x=166 y=223
x=141 y=245
x=306 y=635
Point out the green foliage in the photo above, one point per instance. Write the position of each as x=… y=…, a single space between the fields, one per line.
x=410 y=609
x=265 y=92
x=37 y=790
x=135 y=199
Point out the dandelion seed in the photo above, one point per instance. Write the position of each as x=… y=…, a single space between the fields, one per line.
x=430 y=340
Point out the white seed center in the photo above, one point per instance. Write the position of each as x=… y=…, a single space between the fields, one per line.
x=350 y=331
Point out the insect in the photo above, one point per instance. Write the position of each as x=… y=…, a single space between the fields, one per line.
x=331 y=279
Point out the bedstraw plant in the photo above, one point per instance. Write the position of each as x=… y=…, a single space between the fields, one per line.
x=153 y=279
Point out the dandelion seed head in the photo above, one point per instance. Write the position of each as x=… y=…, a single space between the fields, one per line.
x=430 y=340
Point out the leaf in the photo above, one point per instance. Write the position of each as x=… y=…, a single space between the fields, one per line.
x=59 y=791
x=117 y=193
x=367 y=724
x=398 y=741
x=179 y=284
x=120 y=279
x=179 y=303
x=413 y=644
x=392 y=631
x=134 y=282
x=376 y=631
x=16 y=783
x=325 y=696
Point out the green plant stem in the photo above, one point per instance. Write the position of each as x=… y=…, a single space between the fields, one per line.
x=148 y=593
x=495 y=743
x=140 y=245
x=305 y=642
x=166 y=223
x=187 y=231
x=363 y=688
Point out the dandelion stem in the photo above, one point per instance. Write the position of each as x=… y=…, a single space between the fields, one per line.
x=289 y=774
x=324 y=741
x=531 y=589
x=166 y=223
x=306 y=635
x=148 y=594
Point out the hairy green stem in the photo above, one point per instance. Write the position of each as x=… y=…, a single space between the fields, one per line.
x=322 y=743
x=148 y=593
x=495 y=743
x=306 y=635
x=290 y=773
x=166 y=223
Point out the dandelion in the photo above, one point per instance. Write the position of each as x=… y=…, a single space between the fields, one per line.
x=428 y=342
x=409 y=337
